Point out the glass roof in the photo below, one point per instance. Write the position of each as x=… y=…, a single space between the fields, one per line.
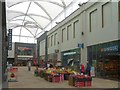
x=31 y=18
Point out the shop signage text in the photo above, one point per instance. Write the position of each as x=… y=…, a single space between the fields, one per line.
x=111 y=48
x=69 y=53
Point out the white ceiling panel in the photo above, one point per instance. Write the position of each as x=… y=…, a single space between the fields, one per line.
x=31 y=18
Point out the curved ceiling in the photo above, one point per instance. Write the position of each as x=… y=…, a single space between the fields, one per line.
x=29 y=18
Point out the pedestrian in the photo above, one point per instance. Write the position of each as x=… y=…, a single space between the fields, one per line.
x=29 y=66
x=88 y=68
x=82 y=68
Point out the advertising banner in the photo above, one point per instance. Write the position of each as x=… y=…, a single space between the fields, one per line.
x=12 y=74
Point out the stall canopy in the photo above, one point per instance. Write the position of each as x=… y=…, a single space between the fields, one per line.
x=28 y=19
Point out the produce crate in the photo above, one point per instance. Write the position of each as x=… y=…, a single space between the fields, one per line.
x=50 y=78
x=71 y=80
x=82 y=81
x=56 y=79
x=61 y=77
x=79 y=84
x=42 y=73
x=46 y=75
x=66 y=76
x=88 y=81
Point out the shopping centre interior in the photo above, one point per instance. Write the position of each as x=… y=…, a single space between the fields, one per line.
x=47 y=40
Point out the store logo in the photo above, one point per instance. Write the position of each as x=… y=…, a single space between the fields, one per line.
x=111 y=48
x=70 y=53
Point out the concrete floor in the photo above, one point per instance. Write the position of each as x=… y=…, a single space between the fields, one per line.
x=26 y=79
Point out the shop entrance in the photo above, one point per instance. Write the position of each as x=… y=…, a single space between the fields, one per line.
x=71 y=59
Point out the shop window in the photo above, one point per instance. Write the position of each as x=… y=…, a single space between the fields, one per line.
x=75 y=26
x=68 y=31
x=51 y=40
x=48 y=42
x=55 y=38
x=106 y=13
x=119 y=10
x=63 y=32
x=92 y=20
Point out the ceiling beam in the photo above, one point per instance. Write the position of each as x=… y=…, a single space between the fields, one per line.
x=23 y=36
x=23 y=27
x=63 y=3
x=30 y=14
x=38 y=0
x=43 y=10
x=24 y=18
x=29 y=17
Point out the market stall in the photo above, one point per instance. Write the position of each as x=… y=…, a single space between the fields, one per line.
x=56 y=75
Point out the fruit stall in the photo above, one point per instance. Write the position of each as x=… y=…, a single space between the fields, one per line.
x=56 y=75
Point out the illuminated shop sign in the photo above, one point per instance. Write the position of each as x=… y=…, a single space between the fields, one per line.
x=111 y=48
x=26 y=51
x=23 y=58
x=69 y=53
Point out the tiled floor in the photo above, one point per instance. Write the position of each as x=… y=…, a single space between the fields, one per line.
x=26 y=79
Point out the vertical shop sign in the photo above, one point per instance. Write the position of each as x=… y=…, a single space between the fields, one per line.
x=10 y=39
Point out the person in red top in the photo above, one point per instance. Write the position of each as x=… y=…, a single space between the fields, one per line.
x=35 y=62
x=82 y=68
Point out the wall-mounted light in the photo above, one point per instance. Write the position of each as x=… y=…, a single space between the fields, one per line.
x=56 y=50
x=82 y=33
x=57 y=22
x=80 y=4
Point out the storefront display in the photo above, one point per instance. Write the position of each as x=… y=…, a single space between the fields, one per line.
x=107 y=63
x=71 y=58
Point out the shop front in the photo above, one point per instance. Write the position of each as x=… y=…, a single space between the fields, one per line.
x=24 y=52
x=105 y=58
x=71 y=58
x=42 y=61
x=22 y=61
x=52 y=58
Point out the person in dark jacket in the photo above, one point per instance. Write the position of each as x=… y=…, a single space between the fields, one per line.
x=88 y=68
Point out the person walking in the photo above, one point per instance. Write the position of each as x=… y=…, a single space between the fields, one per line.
x=29 y=66
x=88 y=68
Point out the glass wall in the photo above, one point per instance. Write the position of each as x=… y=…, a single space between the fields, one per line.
x=105 y=58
